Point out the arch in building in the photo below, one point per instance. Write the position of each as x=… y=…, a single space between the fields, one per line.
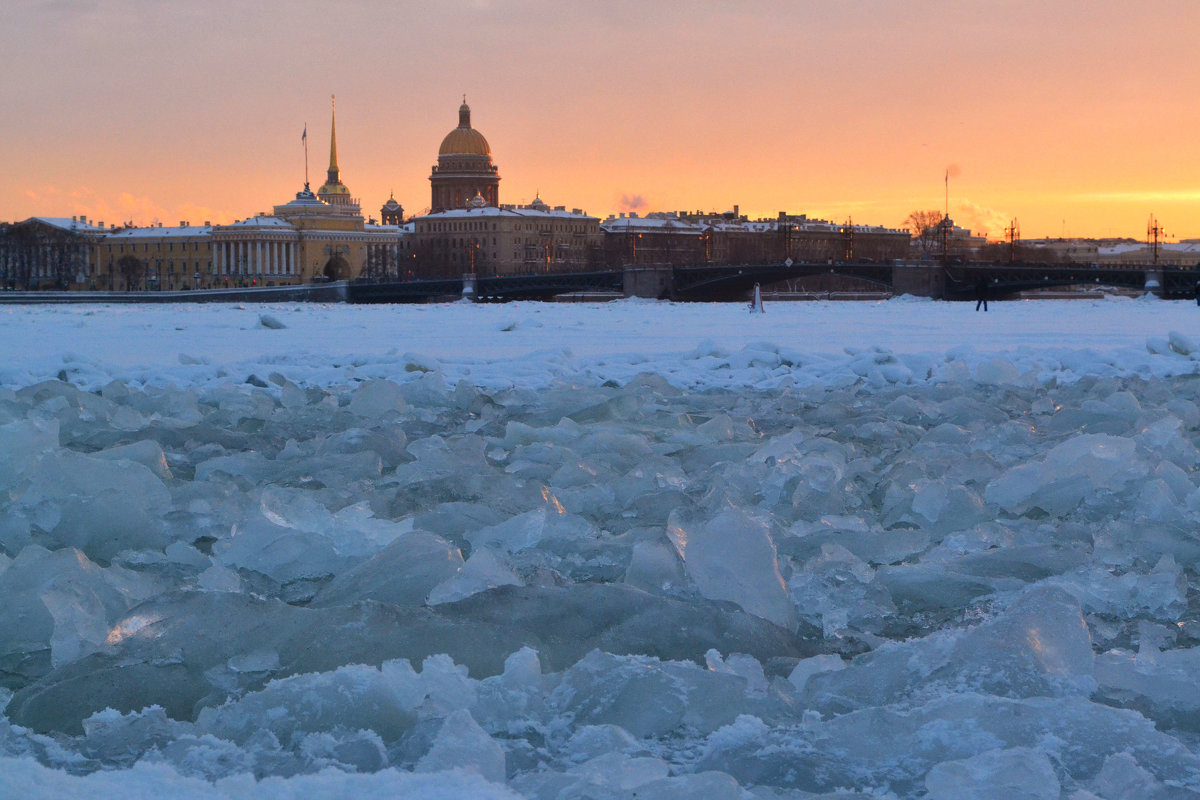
x=337 y=269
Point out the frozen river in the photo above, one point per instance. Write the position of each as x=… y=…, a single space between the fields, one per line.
x=639 y=549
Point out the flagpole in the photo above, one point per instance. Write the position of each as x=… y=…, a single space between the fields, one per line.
x=304 y=138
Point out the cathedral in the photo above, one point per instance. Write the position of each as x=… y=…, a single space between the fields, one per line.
x=468 y=231
x=464 y=169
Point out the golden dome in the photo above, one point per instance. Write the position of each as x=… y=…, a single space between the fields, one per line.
x=333 y=188
x=464 y=140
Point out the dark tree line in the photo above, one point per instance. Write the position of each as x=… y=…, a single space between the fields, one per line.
x=33 y=255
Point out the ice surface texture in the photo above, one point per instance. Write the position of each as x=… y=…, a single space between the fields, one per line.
x=917 y=580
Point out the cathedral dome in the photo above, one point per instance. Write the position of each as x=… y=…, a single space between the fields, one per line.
x=464 y=140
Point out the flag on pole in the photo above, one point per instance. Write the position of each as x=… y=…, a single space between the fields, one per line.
x=304 y=136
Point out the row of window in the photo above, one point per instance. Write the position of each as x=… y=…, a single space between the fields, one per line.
x=132 y=248
x=476 y=225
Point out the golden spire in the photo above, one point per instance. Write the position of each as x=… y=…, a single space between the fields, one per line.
x=334 y=191
x=333 y=165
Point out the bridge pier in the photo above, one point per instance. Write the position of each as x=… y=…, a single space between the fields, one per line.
x=924 y=280
x=468 y=290
x=656 y=283
x=1154 y=281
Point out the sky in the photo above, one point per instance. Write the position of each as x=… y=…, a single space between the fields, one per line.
x=1072 y=118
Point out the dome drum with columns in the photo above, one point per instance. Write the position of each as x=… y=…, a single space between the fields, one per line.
x=464 y=169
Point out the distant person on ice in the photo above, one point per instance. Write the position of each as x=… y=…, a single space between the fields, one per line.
x=981 y=294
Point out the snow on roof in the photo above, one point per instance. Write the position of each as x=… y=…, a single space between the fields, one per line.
x=657 y=223
x=161 y=233
x=1137 y=247
x=506 y=211
x=407 y=227
x=69 y=224
x=673 y=221
x=261 y=221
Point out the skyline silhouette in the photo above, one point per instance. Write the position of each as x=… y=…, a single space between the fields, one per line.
x=1070 y=118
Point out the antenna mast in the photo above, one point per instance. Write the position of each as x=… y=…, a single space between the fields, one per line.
x=1153 y=232
x=946 y=225
x=1013 y=234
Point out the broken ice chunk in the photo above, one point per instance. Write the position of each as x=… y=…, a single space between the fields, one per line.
x=1070 y=472
x=1019 y=773
x=732 y=557
x=403 y=573
x=462 y=744
x=375 y=398
x=146 y=452
x=484 y=570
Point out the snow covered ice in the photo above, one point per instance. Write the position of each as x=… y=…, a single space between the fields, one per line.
x=887 y=550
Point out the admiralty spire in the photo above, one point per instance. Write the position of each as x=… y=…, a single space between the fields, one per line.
x=334 y=192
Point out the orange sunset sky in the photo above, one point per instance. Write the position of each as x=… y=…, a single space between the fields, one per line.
x=1073 y=117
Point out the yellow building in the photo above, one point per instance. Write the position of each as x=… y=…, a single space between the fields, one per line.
x=135 y=259
x=314 y=237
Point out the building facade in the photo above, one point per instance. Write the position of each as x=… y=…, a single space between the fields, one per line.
x=50 y=253
x=506 y=240
x=681 y=238
x=167 y=258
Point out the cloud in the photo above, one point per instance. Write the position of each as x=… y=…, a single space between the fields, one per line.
x=631 y=202
x=980 y=219
x=44 y=193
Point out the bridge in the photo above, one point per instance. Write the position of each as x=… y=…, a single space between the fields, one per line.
x=498 y=288
x=736 y=282
x=683 y=283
